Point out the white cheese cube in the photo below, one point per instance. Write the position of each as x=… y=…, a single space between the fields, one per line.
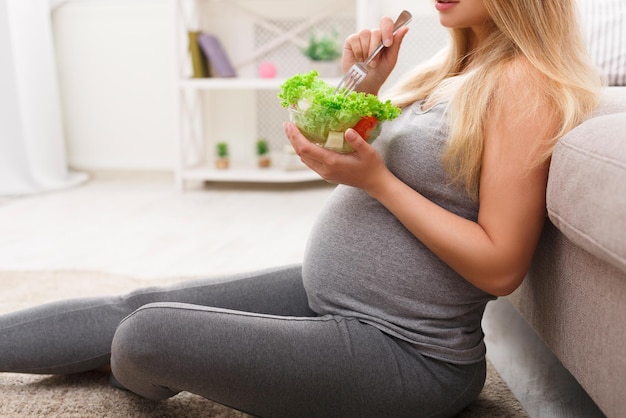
x=334 y=140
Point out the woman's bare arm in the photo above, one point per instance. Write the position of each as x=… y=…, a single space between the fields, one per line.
x=495 y=252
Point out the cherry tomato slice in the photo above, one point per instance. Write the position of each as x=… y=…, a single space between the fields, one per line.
x=366 y=126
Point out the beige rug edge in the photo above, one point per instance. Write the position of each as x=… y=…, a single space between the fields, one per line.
x=89 y=394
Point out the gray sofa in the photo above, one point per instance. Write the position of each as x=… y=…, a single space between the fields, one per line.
x=575 y=293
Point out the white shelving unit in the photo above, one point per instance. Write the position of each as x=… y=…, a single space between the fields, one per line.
x=246 y=108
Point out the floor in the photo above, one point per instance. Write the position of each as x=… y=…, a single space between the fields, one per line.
x=139 y=225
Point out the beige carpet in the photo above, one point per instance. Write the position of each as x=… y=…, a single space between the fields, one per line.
x=90 y=395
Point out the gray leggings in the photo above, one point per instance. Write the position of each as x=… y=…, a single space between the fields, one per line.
x=250 y=342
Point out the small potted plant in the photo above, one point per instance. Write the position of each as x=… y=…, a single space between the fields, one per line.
x=262 y=152
x=323 y=51
x=222 y=161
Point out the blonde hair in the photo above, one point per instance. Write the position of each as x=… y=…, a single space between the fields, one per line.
x=545 y=35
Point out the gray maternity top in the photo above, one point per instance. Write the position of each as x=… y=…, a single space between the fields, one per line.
x=361 y=262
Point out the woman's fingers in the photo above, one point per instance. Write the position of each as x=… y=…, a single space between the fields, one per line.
x=311 y=155
x=386 y=29
x=358 y=44
x=302 y=146
x=355 y=140
x=369 y=40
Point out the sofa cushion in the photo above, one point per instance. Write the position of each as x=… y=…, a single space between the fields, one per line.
x=586 y=196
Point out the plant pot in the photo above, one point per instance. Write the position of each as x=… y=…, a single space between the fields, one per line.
x=264 y=161
x=327 y=69
x=222 y=163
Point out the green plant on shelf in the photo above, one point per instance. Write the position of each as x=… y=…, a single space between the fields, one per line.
x=222 y=149
x=222 y=161
x=262 y=147
x=262 y=151
x=323 y=47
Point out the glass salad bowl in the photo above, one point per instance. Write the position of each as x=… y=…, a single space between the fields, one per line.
x=323 y=115
x=327 y=130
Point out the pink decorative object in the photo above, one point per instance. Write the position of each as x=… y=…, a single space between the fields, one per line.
x=267 y=70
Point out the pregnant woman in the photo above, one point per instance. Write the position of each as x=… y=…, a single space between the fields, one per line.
x=383 y=318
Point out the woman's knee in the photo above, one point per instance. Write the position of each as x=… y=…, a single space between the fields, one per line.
x=136 y=353
x=130 y=348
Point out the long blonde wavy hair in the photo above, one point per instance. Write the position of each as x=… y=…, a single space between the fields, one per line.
x=543 y=32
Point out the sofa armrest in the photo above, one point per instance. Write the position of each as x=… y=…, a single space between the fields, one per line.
x=575 y=303
x=586 y=196
x=575 y=290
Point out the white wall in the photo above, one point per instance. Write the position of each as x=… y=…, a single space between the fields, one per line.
x=117 y=84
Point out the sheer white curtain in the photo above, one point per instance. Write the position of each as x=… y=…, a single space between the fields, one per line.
x=32 y=144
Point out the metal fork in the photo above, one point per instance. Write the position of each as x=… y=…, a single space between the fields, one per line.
x=358 y=71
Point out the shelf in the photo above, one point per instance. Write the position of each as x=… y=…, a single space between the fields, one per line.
x=237 y=83
x=250 y=175
x=240 y=110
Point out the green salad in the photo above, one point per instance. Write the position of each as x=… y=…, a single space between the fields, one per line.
x=323 y=116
